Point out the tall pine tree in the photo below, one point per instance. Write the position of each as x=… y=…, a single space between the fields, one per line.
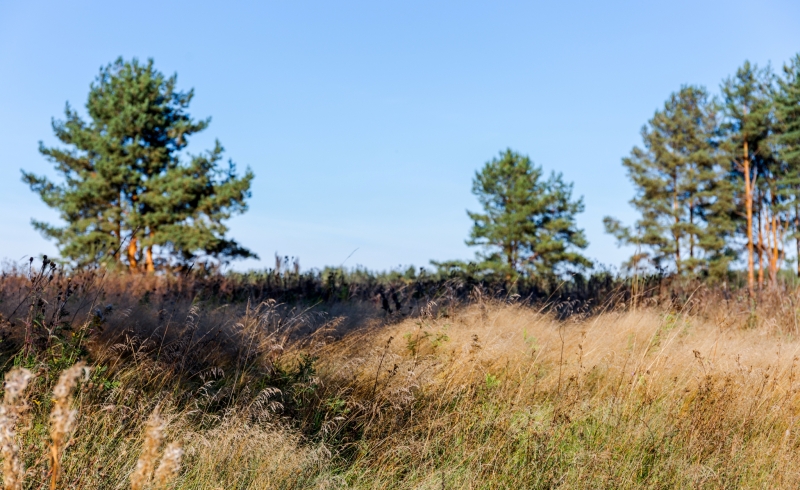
x=127 y=195
x=747 y=110
x=681 y=191
x=528 y=223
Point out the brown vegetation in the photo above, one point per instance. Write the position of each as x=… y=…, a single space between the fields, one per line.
x=488 y=393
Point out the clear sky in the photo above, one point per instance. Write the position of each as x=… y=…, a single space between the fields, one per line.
x=364 y=122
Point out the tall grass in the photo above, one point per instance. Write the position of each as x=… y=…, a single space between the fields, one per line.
x=694 y=390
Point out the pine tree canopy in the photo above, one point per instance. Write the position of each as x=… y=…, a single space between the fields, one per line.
x=787 y=105
x=682 y=194
x=527 y=224
x=128 y=195
x=747 y=109
x=787 y=144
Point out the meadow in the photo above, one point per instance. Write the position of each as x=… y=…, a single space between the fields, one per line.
x=147 y=382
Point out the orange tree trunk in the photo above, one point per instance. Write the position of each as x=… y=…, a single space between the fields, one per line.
x=748 y=203
x=132 y=249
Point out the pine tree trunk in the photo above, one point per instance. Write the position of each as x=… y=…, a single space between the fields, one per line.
x=773 y=266
x=118 y=251
x=132 y=249
x=149 y=260
x=691 y=232
x=760 y=247
x=511 y=262
x=748 y=203
x=150 y=266
x=676 y=232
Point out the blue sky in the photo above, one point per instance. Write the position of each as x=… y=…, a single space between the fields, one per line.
x=364 y=122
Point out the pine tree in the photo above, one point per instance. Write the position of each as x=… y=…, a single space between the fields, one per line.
x=747 y=109
x=681 y=193
x=773 y=213
x=125 y=184
x=787 y=138
x=528 y=223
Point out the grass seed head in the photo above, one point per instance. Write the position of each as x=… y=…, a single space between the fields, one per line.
x=154 y=435
x=62 y=416
x=13 y=469
x=169 y=466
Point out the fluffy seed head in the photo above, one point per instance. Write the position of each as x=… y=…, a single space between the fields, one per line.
x=16 y=382
x=62 y=417
x=153 y=437
x=170 y=465
x=13 y=470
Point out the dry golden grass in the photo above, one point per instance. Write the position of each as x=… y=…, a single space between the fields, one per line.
x=488 y=395
x=501 y=396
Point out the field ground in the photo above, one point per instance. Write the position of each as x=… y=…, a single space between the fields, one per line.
x=488 y=394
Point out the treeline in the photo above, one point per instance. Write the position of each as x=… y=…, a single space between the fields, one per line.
x=717 y=179
x=717 y=182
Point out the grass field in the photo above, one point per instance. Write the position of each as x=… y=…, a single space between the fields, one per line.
x=482 y=394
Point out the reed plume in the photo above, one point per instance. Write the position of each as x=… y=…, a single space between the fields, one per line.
x=13 y=406
x=169 y=466
x=62 y=416
x=153 y=437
